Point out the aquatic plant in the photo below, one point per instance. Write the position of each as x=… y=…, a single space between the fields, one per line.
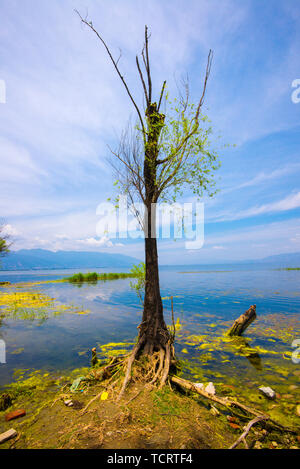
x=32 y=306
x=94 y=277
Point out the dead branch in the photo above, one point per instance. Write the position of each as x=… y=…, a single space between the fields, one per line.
x=232 y=404
x=115 y=64
x=246 y=431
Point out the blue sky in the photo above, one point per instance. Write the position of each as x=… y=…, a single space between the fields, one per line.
x=64 y=104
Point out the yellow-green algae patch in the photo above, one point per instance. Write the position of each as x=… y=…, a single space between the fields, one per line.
x=32 y=305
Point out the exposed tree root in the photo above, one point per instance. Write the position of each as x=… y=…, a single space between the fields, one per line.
x=131 y=359
x=153 y=369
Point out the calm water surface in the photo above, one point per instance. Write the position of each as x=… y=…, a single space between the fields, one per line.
x=206 y=300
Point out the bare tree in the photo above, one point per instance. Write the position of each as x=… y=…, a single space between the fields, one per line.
x=156 y=158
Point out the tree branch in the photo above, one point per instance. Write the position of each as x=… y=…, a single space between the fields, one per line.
x=90 y=25
x=148 y=64
x=142 y=80
x=161 y=95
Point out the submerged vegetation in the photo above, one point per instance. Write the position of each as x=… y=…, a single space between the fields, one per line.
x=94 y=277
x=32 y=305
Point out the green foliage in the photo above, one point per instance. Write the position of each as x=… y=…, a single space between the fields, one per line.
x=94 y=277
x=139 y=272
x=3 y=247
x=190 y=160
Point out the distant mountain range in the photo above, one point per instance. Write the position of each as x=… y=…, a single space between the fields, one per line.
x=35 y=259
x=287 y=260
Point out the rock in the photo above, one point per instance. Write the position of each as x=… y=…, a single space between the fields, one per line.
x=274 y=443
x=68 y=403
x=298 y=410
x=5 y=402
x=8 y=435
x=268 y=392
x=15 y=414
x=214 y=411
x=199 y=385
x=210 y=389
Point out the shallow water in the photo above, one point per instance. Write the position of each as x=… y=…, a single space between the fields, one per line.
x=206 y=300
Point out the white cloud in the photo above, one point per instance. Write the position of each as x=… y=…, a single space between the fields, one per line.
x=9 y=230
x=288 y=203
x=263 y=177
x=102 y=242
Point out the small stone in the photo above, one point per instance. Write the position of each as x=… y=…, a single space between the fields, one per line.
x=287 y=396
x=268 y=392
x=15 y=414
x=274 y=443
x=68 y=403
x=8 y=435
x=210 y=389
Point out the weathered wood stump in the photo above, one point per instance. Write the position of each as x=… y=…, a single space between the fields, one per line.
x=241 y=324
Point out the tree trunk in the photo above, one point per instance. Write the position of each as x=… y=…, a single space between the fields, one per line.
x=153 y=331
x=241 y=324
x=153 y=327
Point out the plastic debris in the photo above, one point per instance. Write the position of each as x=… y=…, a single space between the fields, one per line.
x=104 y=396
x=210 y=389
x=76 y=383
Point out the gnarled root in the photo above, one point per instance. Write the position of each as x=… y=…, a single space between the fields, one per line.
x=153 y=369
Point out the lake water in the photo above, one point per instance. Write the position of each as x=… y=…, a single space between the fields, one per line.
x=206 y=300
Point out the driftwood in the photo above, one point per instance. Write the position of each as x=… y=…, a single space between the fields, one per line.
x=233 y=405
x=246 y=431
x=241 y=324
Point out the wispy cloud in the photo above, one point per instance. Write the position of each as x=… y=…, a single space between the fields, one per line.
x=290 y=202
